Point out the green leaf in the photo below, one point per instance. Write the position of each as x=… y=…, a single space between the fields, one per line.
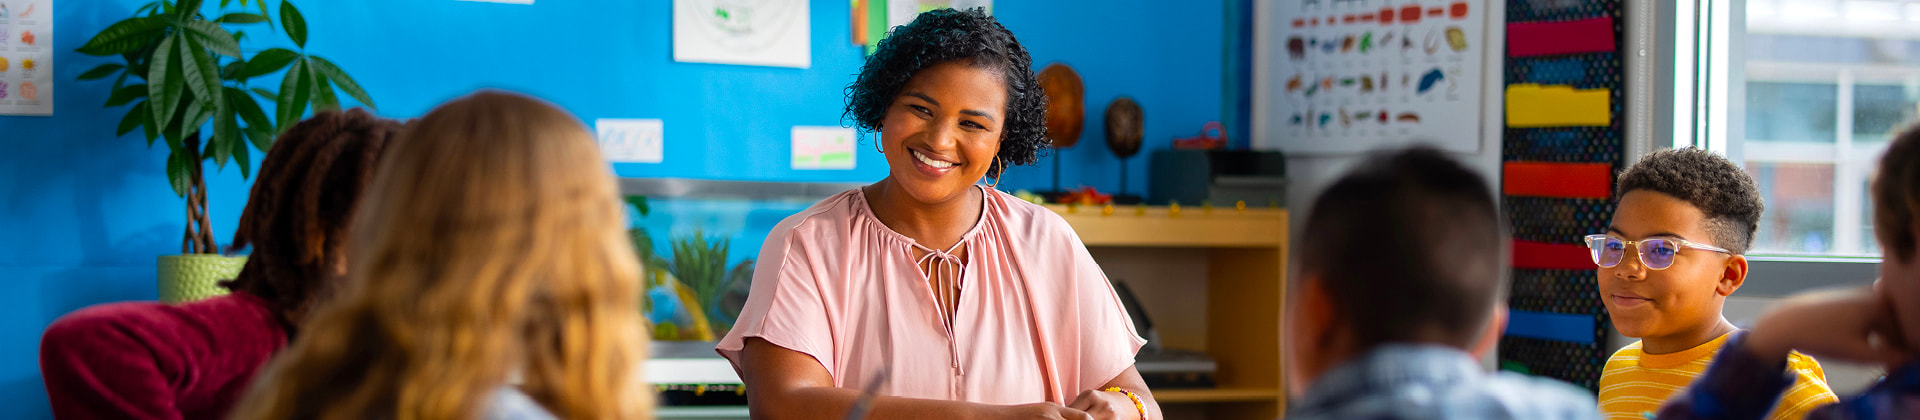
x=223 y=3
x=147 y=8
x=241 y=156
x=241 y=18
x=263 y=10
x=187 y=9
x=323 y=97
x=120 y=82
x=639 y=203
x=102 y=72
x=340 y=78
x=164 y=84
x=294 y=89
x=211 y=35
x=219 y=145
x=177 y=173
x=124 y=36
x=196 y=116
x=247 y=108
x=138 y=62
x=231 y=71
x=133 y=119
x=262 y=137
x=269 y=61
x=267 y=95
x=147 y=126
x=124 y=95
x=295 y=24
x=201 y=72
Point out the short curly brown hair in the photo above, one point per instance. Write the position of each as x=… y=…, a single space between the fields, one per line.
x=1722 y=191
x=946 y=35
x=1896 y=195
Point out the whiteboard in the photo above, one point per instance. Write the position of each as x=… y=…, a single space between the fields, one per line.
x=1347 y=76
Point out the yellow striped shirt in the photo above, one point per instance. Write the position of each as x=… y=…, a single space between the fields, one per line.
x=1635 y=383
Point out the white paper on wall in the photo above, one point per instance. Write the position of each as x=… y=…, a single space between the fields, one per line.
x=630 y=140
x=749 y=32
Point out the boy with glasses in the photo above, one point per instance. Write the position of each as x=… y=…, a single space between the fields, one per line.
x=1668 y=261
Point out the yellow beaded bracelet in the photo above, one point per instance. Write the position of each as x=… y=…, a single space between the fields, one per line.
x=1136 y=400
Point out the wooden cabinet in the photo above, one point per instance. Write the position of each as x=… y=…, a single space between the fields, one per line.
x=1245 y=258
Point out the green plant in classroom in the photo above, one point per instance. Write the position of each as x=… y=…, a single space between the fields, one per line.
x=643 y=240
x=184 y=77
x=701 y=265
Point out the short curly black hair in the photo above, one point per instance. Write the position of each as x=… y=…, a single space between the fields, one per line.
x=1723 y=192
x=947 y=35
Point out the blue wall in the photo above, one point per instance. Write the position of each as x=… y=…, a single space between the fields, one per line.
x=83 y=214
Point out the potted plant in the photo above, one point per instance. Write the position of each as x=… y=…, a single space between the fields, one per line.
x=184 y=79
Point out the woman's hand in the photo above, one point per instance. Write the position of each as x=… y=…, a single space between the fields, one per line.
x=1854 y=325
x=1044 y=411
x=1104 y=405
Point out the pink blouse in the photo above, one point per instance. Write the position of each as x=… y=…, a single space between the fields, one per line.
x=1037 y=320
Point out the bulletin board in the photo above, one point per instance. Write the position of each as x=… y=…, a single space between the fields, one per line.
x=1360 y=75
x=1561 y=149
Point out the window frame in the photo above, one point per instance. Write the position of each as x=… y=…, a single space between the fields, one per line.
x=1679 y=55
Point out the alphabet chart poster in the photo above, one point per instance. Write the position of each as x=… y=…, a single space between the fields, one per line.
x=1360 y=74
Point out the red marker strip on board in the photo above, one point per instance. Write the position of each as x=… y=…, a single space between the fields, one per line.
x=1554 y=38
x=1557 y=180
x=1549 y=256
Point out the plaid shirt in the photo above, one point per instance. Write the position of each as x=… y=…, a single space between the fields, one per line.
x=1405 y=381
x=1739 y=386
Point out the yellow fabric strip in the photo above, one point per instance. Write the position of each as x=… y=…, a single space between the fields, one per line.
x=1531 y=105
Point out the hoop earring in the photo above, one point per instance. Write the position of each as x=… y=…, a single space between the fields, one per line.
x=1002 y=174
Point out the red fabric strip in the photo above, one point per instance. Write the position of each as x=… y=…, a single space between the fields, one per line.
x=1558 y=180
x=1546 y=256
x=1552 y=38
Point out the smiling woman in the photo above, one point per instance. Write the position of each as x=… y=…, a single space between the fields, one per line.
x=925 y=295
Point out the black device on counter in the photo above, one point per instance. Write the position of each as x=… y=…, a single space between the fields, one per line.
x=1161 y=367
x=1220 y=177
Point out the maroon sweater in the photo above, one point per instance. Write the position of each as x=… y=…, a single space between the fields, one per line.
x=146 y=360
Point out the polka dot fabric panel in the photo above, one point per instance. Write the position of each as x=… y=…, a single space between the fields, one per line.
x=1562 y=220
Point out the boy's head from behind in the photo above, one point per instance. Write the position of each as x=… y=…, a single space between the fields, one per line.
x=1896 y=223
x=1406 y=248
x=1689 y=200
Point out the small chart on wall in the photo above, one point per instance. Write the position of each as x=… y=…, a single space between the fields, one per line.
x=749 y=32
x=26 y=57
x=1362 y=74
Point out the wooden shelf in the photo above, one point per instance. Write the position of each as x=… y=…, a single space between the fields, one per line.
x=1243 y=255
x=1160 y=226
x=1215 y=395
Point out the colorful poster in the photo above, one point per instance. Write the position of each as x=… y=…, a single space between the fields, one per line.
x=873 y=19
x=1358 y=75
x=26 y=57
x=823 y=147
x=751 y=32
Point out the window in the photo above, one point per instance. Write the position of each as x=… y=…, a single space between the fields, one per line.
x=1804 y=94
